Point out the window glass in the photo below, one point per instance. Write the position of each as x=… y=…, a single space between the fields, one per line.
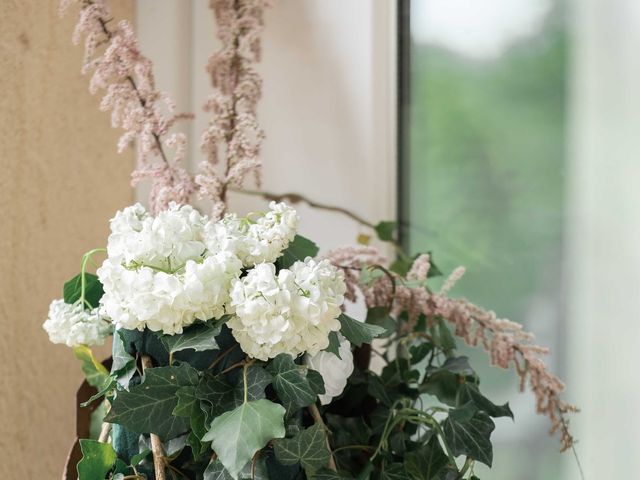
x=482 y=181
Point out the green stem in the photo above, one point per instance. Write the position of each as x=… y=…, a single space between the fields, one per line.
x=467 y=464
x=83 y=271
x=353 y=447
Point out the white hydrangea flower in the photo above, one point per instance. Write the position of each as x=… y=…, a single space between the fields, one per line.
x=159 y=273
x=334 y=370
x=73 y=325
x=143 y=297
x=207 y=285
x=262 y=240
x=291 y=312
x=166 y=241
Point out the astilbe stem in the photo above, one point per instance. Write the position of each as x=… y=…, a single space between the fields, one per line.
x=233 y=135
x=145 y=114
x=505 y=341
x=156 y=444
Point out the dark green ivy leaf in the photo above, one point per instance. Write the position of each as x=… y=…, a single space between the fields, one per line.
x=308 y=447
x=199 y=337
x=380 y=316
x=97 y=460
x=385 y=230
x=334 y=345
x=419 y=352
x=92 y=292
x=299 y=249
x=394 y=471
x=358 y=332
x=468 y=432
x=469 y=392
x=217 y=394
x=445 y=338
x=316 y=382
x=326 y=474
x=426 y=462
x=257 y=380
x=148 y=407
x=457 y=365
x=291 y=382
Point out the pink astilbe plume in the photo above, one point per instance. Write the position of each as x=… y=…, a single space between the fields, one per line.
x=506 y=342
x=233 y=136
x=145 y=114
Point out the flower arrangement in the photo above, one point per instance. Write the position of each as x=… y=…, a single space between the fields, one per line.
x=233 y=354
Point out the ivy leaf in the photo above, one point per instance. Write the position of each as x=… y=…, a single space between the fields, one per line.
x=326 y=474
x=189 y=406
x=334 y=344
x=109 y=385
x=380 y=316
x=136 y=459
x=187 y=401
x=468 y=432
x=122 y=360
x=419 y=352
x=426 y=462
x=96 y=374
x=358 y=332
x=445 y=338
x=199 y=337
x=385 y=230
x=97 y=460
x=217 y=394
x=469 y=392
x=92 y=291
x=216 y=471
x=237 y=435
x=299 y=249
x=316 y=382
x=309 y=448
x=395 y=471
x=457 y=365
x=257 y=380
x=291 y=382
x=123 y=367
x=148 y=407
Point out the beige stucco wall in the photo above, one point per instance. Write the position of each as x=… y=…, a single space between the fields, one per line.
x=60 y=181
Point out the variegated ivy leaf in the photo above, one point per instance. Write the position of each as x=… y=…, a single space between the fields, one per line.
x=468 y=432
x=237 y=435
x=308 y=447
x=199 y=337
x=295 y=387
x=359 y=332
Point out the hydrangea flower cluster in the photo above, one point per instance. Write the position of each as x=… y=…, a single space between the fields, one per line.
x=72 y=325
x=159 y=273
x=164 y=272
x=291 y=311
x=254 y=242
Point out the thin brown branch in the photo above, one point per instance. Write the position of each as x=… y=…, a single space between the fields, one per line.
x=104 y=432
x=317 y=418
x=295 y=198
x=156 y=445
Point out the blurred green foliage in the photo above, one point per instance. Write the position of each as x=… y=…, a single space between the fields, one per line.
x=485 y=190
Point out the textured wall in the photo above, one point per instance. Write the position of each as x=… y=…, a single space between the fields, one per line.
x=61 y=180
